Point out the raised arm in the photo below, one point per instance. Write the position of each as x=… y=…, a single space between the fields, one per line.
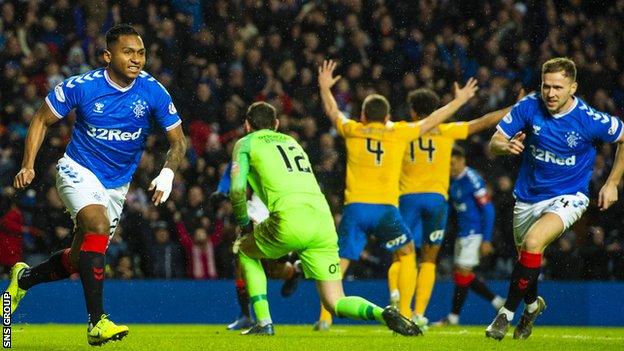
x=492 y=118
x=44 y=117
x=486 y=121
x=462 y=95
x=326 y=81
x=609 y=191
x=164 y=182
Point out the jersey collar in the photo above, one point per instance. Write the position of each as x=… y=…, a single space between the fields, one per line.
x=562 y=114
x=117 y=86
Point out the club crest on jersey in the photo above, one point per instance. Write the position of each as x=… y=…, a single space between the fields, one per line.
x=99 y=107
x=536 y=129
x=572 y=138
x=138 y=108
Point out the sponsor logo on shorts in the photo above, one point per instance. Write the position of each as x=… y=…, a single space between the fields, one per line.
x=396 y=242
x=436 y=235
x=333 y=268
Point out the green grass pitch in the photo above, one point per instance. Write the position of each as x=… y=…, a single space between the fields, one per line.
x=302 y=338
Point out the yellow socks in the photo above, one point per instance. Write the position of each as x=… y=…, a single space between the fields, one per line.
x=407 y=276
x=424 y=287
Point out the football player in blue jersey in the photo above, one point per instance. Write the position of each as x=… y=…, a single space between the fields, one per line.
x=474 y=211
x=115 y=107
x=555 y=132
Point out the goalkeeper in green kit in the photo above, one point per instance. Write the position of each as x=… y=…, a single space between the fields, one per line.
x=279 y=172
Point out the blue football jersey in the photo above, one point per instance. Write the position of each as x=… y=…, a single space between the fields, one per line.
x=471 y=202
x=112 y=122
x=559 y=153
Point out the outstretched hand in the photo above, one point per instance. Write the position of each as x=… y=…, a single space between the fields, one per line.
x=468 y=91
x=326 y=77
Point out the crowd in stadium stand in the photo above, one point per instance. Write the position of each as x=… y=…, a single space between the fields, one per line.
x=216 y=57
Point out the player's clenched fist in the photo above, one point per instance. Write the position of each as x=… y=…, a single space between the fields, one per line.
x=23 y=178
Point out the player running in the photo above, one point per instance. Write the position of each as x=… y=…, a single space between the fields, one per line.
x=475 y=221
x=424 y=190
x=279 y=172
x=115 y=107
x=375 y=148
x=560 y=131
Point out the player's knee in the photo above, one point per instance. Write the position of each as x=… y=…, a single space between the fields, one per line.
x=533 y=244
x=430 y=253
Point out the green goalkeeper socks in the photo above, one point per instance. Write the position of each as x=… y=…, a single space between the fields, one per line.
x=355 y=307
x=256 y=287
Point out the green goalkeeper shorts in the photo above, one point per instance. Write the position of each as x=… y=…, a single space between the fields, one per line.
x=307 y=230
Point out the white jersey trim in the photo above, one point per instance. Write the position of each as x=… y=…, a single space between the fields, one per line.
x=620 y=135
x=562 y=114
x=54 y=111
x=117 y=86
x=500 y=130
x=177 y=123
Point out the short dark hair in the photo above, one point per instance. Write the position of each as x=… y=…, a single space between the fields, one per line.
x=113 y=34
x=458 y=151
x=375 y=108
x=560 y=64
x=261 y=115
x=423 y=101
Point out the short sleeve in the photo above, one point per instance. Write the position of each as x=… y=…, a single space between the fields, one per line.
x=64 y=97
x=518 y=118
x=479 y=191
x=606 y=128
x=345 y=126
x=163 y=110
x=455 y=130
x=408 y=130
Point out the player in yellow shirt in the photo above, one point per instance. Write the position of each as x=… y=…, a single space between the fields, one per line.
x=375 y=148
x=424 y=187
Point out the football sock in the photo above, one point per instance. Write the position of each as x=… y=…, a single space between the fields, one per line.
x=256 y=286
x=524 y=274
x=531 y=294
x=91 y=269
x=462 y=282
x=424 y=287
x=57 y=267
x=393 y=277
x=509 y=314
x=243 y=297
x=407 y=277
x=532 y=307
x=453 y=318
x=355 y=307
x=481 y=289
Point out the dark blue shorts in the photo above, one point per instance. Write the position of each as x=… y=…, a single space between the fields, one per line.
x=425 y=215
x=360 y=220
